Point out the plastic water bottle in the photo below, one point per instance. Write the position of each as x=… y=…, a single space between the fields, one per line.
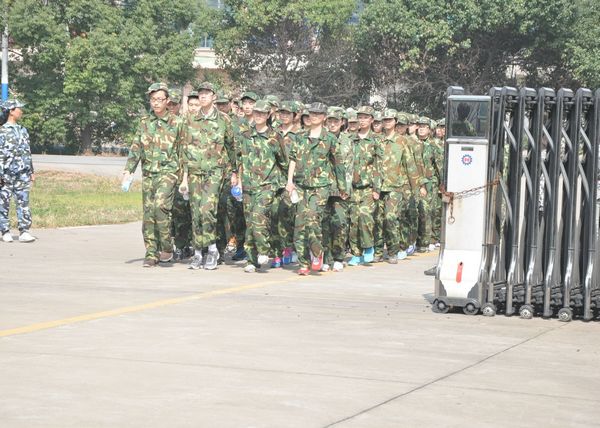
x=126 y=184
x=236 y=192
x=185 y=196
x=294 y=197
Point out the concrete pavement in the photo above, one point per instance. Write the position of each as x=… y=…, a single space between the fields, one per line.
x=90 y=339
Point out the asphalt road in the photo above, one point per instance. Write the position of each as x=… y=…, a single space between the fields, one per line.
x=88 y=338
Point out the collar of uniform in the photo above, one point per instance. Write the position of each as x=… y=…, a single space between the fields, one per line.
x=323 y=135
x=392 y=137
x=166 y=118
x=212 y=114
x=255 y=132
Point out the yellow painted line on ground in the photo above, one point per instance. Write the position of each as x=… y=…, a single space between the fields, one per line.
x=136 y=308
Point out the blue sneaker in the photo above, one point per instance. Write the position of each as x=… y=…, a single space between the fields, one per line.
x=240 y=254
x=369 y=254
x=402 y=255
x=411 y=250
x=355 y=261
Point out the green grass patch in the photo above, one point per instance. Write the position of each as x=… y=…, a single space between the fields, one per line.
x=60 y=199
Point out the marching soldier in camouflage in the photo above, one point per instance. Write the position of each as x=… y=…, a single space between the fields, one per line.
x=316 y=157
x=395 y=188
x=284 y=211
x=207 y=155
x=409 y=216
x=181 y=214
x=16 y=173
x=352 y=120
x=157 y=147
x=377 y=125
x=262 y=158
x=366 y=186
x=436 y=157
x=336 y=220
x=427 y=151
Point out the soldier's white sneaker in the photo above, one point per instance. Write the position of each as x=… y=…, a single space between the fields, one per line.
x=26 y=237
x=338 y=266
x=325 y=267
x=431 y=247
x=196 y=262
x=212 y=258
x=7 y=237
x=250 y=268
x=262 y=259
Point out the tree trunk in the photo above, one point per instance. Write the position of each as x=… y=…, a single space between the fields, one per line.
x=86 y=140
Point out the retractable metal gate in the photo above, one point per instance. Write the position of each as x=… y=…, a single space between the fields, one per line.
x=520 y=233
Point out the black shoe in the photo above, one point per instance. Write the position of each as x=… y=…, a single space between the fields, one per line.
x=431 y=271
x=178 y=255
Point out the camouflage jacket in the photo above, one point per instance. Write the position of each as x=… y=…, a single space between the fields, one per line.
x=157 y=145
x=366 y=153
x=207 y=143
x=429 y=154
x=262 y=158
x=436 y=157
x=396 y=164
x=319 y=160
x=416 y=147
x=15 y=152
x=346 y=150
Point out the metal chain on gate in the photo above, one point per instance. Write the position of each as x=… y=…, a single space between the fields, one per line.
x=449 y=197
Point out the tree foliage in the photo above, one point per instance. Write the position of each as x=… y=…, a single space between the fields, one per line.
x=85 y=64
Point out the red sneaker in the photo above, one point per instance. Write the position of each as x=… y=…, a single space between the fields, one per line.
x=317 y=263
x=303 y=271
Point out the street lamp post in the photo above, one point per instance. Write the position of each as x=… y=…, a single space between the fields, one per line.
x=5 y=64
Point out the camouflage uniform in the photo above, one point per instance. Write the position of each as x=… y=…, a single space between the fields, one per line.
x=284 y=211
x=318 y=164
x=263 y=160
x=395 y=191
x=16 y=169
x=208 y=153
x=157 y=146
x=435 y=157
x=337 y=213
x=366 y=180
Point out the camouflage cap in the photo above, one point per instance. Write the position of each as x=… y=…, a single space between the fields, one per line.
x=366 y=110
x=441 y=123
x=335 y=113
x=175 y=96
x=207 y=86
x=304 y=112
x=377 y=116
x=432 y=123
x=403 y=118
x=317 y=108
x=288 y=106
x=413 y=118
x=222 y=98
x=262 y=106
x=193 y=94
x=352 y=116
x=249 y=95
x=424 y=120
x=389 y=113
x=12 y=104
x=158 y=87
x=273 y=100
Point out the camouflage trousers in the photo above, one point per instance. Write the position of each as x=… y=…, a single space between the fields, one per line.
x=308 y=235
x=395 y=206
x=204 y=198
x=409 y=219
x=436 y=216
x=336 y=223
x=17 y=187
x=158 y=191
x=257 y=210
x=282 y=225
x=378 y=227
x=230 y=219
x=362 y=208
x=424 y=237
x=181 y=221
